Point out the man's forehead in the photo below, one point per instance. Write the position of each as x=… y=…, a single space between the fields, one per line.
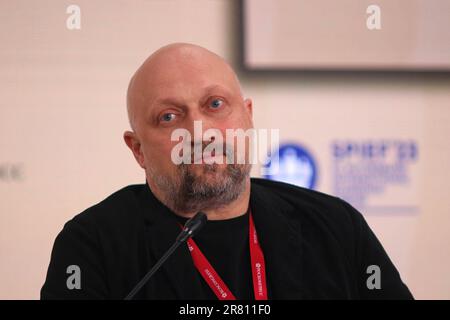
x=186 y=73
x=185 y=82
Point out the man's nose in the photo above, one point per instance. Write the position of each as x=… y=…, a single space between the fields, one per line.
x=197 y=123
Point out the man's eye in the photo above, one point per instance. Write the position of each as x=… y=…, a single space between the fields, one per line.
x=216 y=103
x=167 y=117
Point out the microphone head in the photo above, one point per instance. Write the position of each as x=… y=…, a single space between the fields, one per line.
x=195 y=223
x=192 y=226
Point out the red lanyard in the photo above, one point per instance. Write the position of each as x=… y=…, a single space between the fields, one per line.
x=213 y=279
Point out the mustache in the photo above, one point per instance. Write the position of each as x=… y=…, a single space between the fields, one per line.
x=198 y=149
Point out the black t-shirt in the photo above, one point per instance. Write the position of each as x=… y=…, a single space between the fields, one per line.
x=225 y=243
x=315 y=247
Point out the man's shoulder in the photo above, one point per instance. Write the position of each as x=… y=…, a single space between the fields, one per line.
x=120 y=207
x=307 y=205
x=297 y=195
x=321 y=218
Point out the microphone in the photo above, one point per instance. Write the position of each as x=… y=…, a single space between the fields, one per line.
x=190 y=228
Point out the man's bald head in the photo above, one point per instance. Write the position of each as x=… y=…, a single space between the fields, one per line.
x=177 y=62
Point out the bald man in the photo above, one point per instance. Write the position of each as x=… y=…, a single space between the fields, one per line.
x=263 y=239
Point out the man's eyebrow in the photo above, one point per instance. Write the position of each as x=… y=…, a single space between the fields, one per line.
x=213 y=87
x=206 y=90
x=166 y=101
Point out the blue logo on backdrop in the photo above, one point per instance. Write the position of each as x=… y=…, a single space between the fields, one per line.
x=296 y=166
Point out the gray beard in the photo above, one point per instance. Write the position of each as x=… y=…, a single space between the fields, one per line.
x=193 y=193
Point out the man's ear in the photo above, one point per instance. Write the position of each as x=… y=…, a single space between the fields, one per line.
x=132 y=141
x=248 y=104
